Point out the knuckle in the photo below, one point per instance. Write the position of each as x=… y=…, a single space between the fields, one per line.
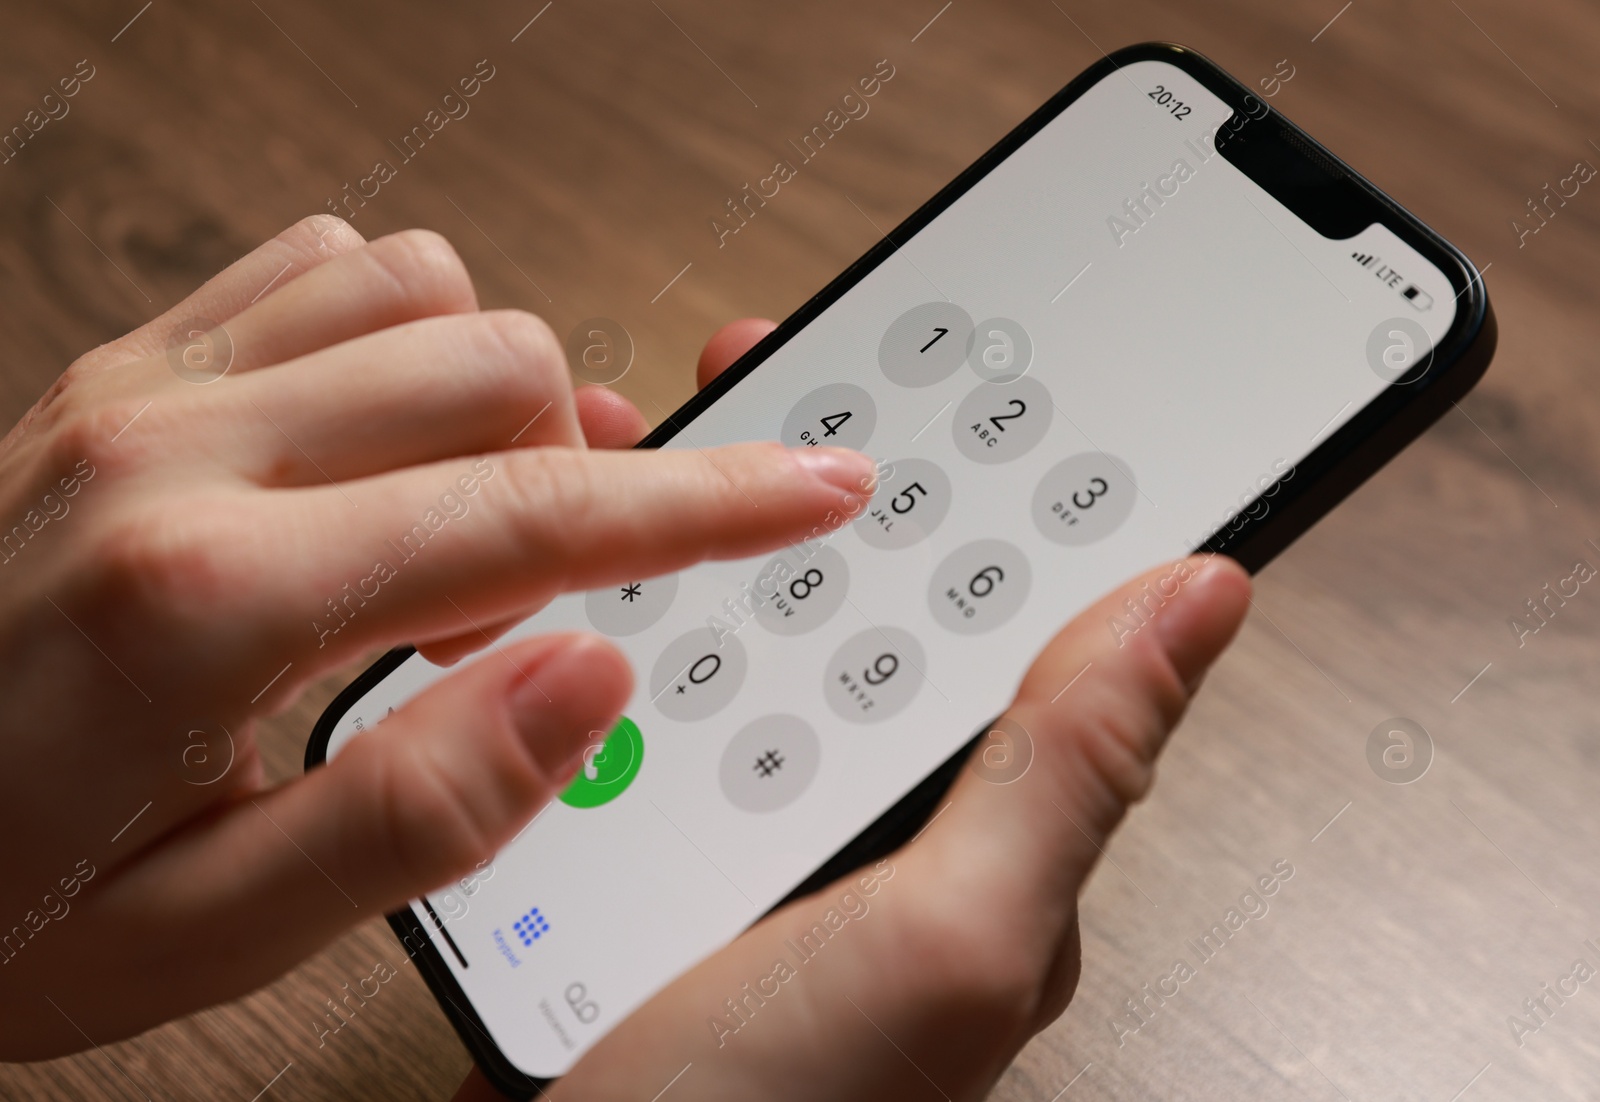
x=554 y=504
x=1119 y=753
x=1122 y=731
x=78 y=375
x=525 y=339
x=162 y=565
x=436 y=821
x=64 y=396
x=318 y=232
x=424 y=265
x=107 y=438
x=516 y=358
x=432 y=829
x=504 y=345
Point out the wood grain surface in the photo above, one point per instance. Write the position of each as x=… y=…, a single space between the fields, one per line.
x=582 y=183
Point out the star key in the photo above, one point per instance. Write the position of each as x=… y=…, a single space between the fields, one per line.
x=630 y=592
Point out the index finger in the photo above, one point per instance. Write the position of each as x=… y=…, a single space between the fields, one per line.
x=434 y=551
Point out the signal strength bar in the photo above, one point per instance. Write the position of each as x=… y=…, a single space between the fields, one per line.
x=1366 y=260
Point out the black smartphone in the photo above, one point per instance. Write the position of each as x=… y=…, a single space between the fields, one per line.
x=1155 y=317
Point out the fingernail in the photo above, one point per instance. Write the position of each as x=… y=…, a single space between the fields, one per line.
x=1197 y=624
x=840 y=468
x=556 y=711
x=1177 y=623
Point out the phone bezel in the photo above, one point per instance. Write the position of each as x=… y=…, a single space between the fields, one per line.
x=1333 y=470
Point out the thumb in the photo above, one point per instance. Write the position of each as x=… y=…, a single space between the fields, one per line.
x=438 y=787
x=446 y=781
x=1025 y=827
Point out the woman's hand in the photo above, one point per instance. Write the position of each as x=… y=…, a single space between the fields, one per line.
x=183 y=549
x=937 y=965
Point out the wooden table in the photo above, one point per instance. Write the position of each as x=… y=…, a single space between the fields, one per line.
x=583 y=183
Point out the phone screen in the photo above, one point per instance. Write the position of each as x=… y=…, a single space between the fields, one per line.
x=1085 y=365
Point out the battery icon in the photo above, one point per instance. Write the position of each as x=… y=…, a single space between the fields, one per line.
x=1417 y=297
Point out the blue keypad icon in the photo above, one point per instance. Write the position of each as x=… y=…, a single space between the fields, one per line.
x=531 y=926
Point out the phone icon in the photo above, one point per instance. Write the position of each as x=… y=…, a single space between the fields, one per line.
x=608 y=767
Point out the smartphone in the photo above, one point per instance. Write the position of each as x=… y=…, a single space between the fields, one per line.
x=1155 y=317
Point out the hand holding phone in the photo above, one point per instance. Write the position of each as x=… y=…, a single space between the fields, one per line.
x=194 y=518
x=1155 y=317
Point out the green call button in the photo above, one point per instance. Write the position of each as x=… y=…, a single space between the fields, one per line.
x=608 y=768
